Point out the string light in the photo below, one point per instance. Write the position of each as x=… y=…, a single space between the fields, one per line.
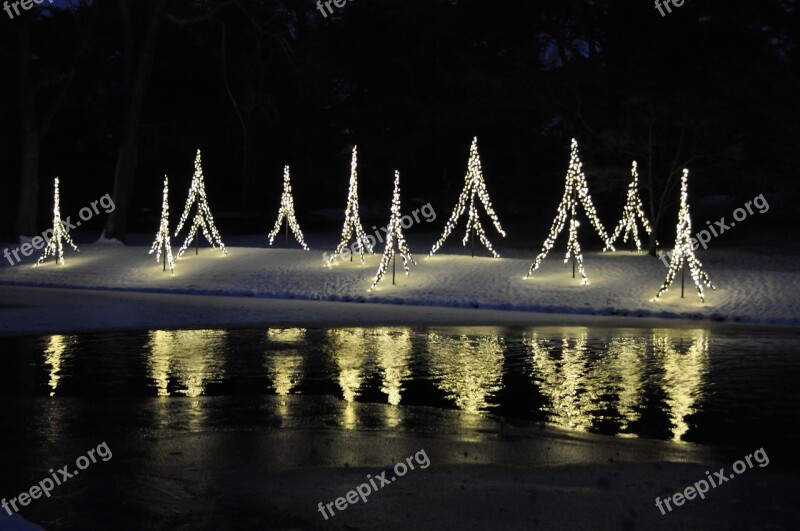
x=576 y=191
x=352 y=221
x=202 y=217
x=627 y=226
x=394 y=235
x=55 y=247
x=287 y=211
x=162 y=242
x=474 y=185
x=684 y=251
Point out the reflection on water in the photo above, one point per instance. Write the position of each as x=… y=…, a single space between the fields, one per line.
x=684 y=379
x=54 y=357
x=627 y=369
x=468 y=370
x=652 y=383
x=568 y=379
x=189 y=358
x=350 y=350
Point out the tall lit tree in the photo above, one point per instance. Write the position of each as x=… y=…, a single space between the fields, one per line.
x=162 y=243
x=683 y=253
x=55 y=247
x=202 y=216
x=394 y=238
x=627 y=226
x=286 y=212
x=352 y=220
x=474 y=186
x=576 y=191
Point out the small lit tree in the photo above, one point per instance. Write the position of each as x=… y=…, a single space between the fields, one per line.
x=352 y=219
x=55 y=247
x=576 y=191
x=162 y=243
x=286 y=212
x=202 y=216
x=627 y=226
x=394 y=238
x=474 y=185
x=683 y=253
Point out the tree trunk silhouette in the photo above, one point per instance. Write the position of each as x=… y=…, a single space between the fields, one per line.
x=127 y=155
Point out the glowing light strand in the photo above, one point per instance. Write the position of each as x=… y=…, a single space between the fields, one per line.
x=627 y=226
x=162 y=242
x=352 y=220
x=202 y=217
x=286 y=211
x=55 y=247
x=394 y=236
x=474 y=185
x=576 y=191
x=683 y=253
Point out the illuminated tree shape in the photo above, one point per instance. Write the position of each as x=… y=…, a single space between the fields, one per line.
x=55 y=247
x=474 y=185
x=627 y=226
x=286 y=211
x=352 y=220
x=576 y=191
x=162 y=242
x=394 y=235
x=202 y=217
x=683 y=252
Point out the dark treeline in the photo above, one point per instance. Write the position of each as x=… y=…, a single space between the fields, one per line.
x=112 y=95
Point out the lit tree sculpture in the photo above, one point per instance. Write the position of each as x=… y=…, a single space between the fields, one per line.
x=287 y=211
x=627 y=226
x=202 y=217
x=474 y=185
x=55 y=247
x=352 y=220
x=684 y=252
x=394 y=236
x=162 y=243
x=576 y=191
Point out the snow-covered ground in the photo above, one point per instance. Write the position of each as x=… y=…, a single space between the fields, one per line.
x=751 y=287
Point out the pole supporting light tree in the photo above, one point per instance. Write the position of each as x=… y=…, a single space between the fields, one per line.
x=576 y=191
x=286 y=213
x=627 y=226
x=474 y=185
x=162 y=243
x=202 y=217
x=394 y=238
x=352 y=219
x=683 y=254
x=55 y=247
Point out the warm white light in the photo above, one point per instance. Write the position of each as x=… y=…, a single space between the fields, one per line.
x=55 y=247
x=162 y=242
x=576 y=191
x=683 y=253
x=287 y=211
x=627 y=226
x=474 y=185
x=202 y=217
x=394 y=236
x=352 y=220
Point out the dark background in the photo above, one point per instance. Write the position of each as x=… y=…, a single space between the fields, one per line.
x=262 y=83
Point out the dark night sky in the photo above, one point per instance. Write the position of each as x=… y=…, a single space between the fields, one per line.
x=260 y=84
